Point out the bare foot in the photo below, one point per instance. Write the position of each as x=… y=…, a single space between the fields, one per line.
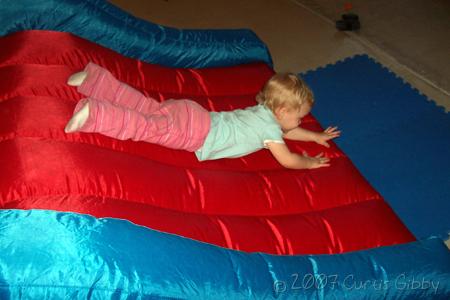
x=77 y=78
x=78 y=119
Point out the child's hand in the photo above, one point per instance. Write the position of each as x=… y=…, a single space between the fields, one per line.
x=327 y=134
x=317 y=161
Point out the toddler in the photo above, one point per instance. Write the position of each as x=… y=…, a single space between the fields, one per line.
x=115 y=109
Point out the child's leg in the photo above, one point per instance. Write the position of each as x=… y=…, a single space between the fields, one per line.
x=100 y=84
x=103 y=117
x=177 y=125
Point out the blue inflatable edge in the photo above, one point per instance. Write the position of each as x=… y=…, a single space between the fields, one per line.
x=56 y=255
x=111 y=27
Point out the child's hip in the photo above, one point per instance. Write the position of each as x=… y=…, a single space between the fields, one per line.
x=189 y=124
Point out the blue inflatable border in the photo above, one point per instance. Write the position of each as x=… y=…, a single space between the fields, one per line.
x=54 y=255
x=111 y=27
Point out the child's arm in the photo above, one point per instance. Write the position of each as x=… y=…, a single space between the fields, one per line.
x=294 y=161
x=301 y=134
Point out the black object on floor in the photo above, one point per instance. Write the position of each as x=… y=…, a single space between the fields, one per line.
x=348 y=22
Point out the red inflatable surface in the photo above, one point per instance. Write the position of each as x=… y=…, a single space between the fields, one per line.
x=251 y=203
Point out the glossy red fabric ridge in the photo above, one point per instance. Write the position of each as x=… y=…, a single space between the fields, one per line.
x=251 y=203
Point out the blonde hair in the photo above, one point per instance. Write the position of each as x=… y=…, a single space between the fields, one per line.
x=285 y=90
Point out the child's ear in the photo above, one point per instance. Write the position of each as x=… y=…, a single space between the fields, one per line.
x=277 y=112
x=280 y=111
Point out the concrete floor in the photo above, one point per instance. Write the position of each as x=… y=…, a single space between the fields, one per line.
x=301 y=37
x=413 y=36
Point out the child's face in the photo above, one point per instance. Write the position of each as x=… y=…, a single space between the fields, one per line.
x=290 y=118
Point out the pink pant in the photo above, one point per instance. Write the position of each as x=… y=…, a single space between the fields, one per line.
x=118 y=110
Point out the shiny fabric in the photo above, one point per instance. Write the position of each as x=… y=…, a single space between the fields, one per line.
x=250 y=204
x=52 y=255
x=109 y=26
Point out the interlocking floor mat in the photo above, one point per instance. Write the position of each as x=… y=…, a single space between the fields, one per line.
x=397 y=138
